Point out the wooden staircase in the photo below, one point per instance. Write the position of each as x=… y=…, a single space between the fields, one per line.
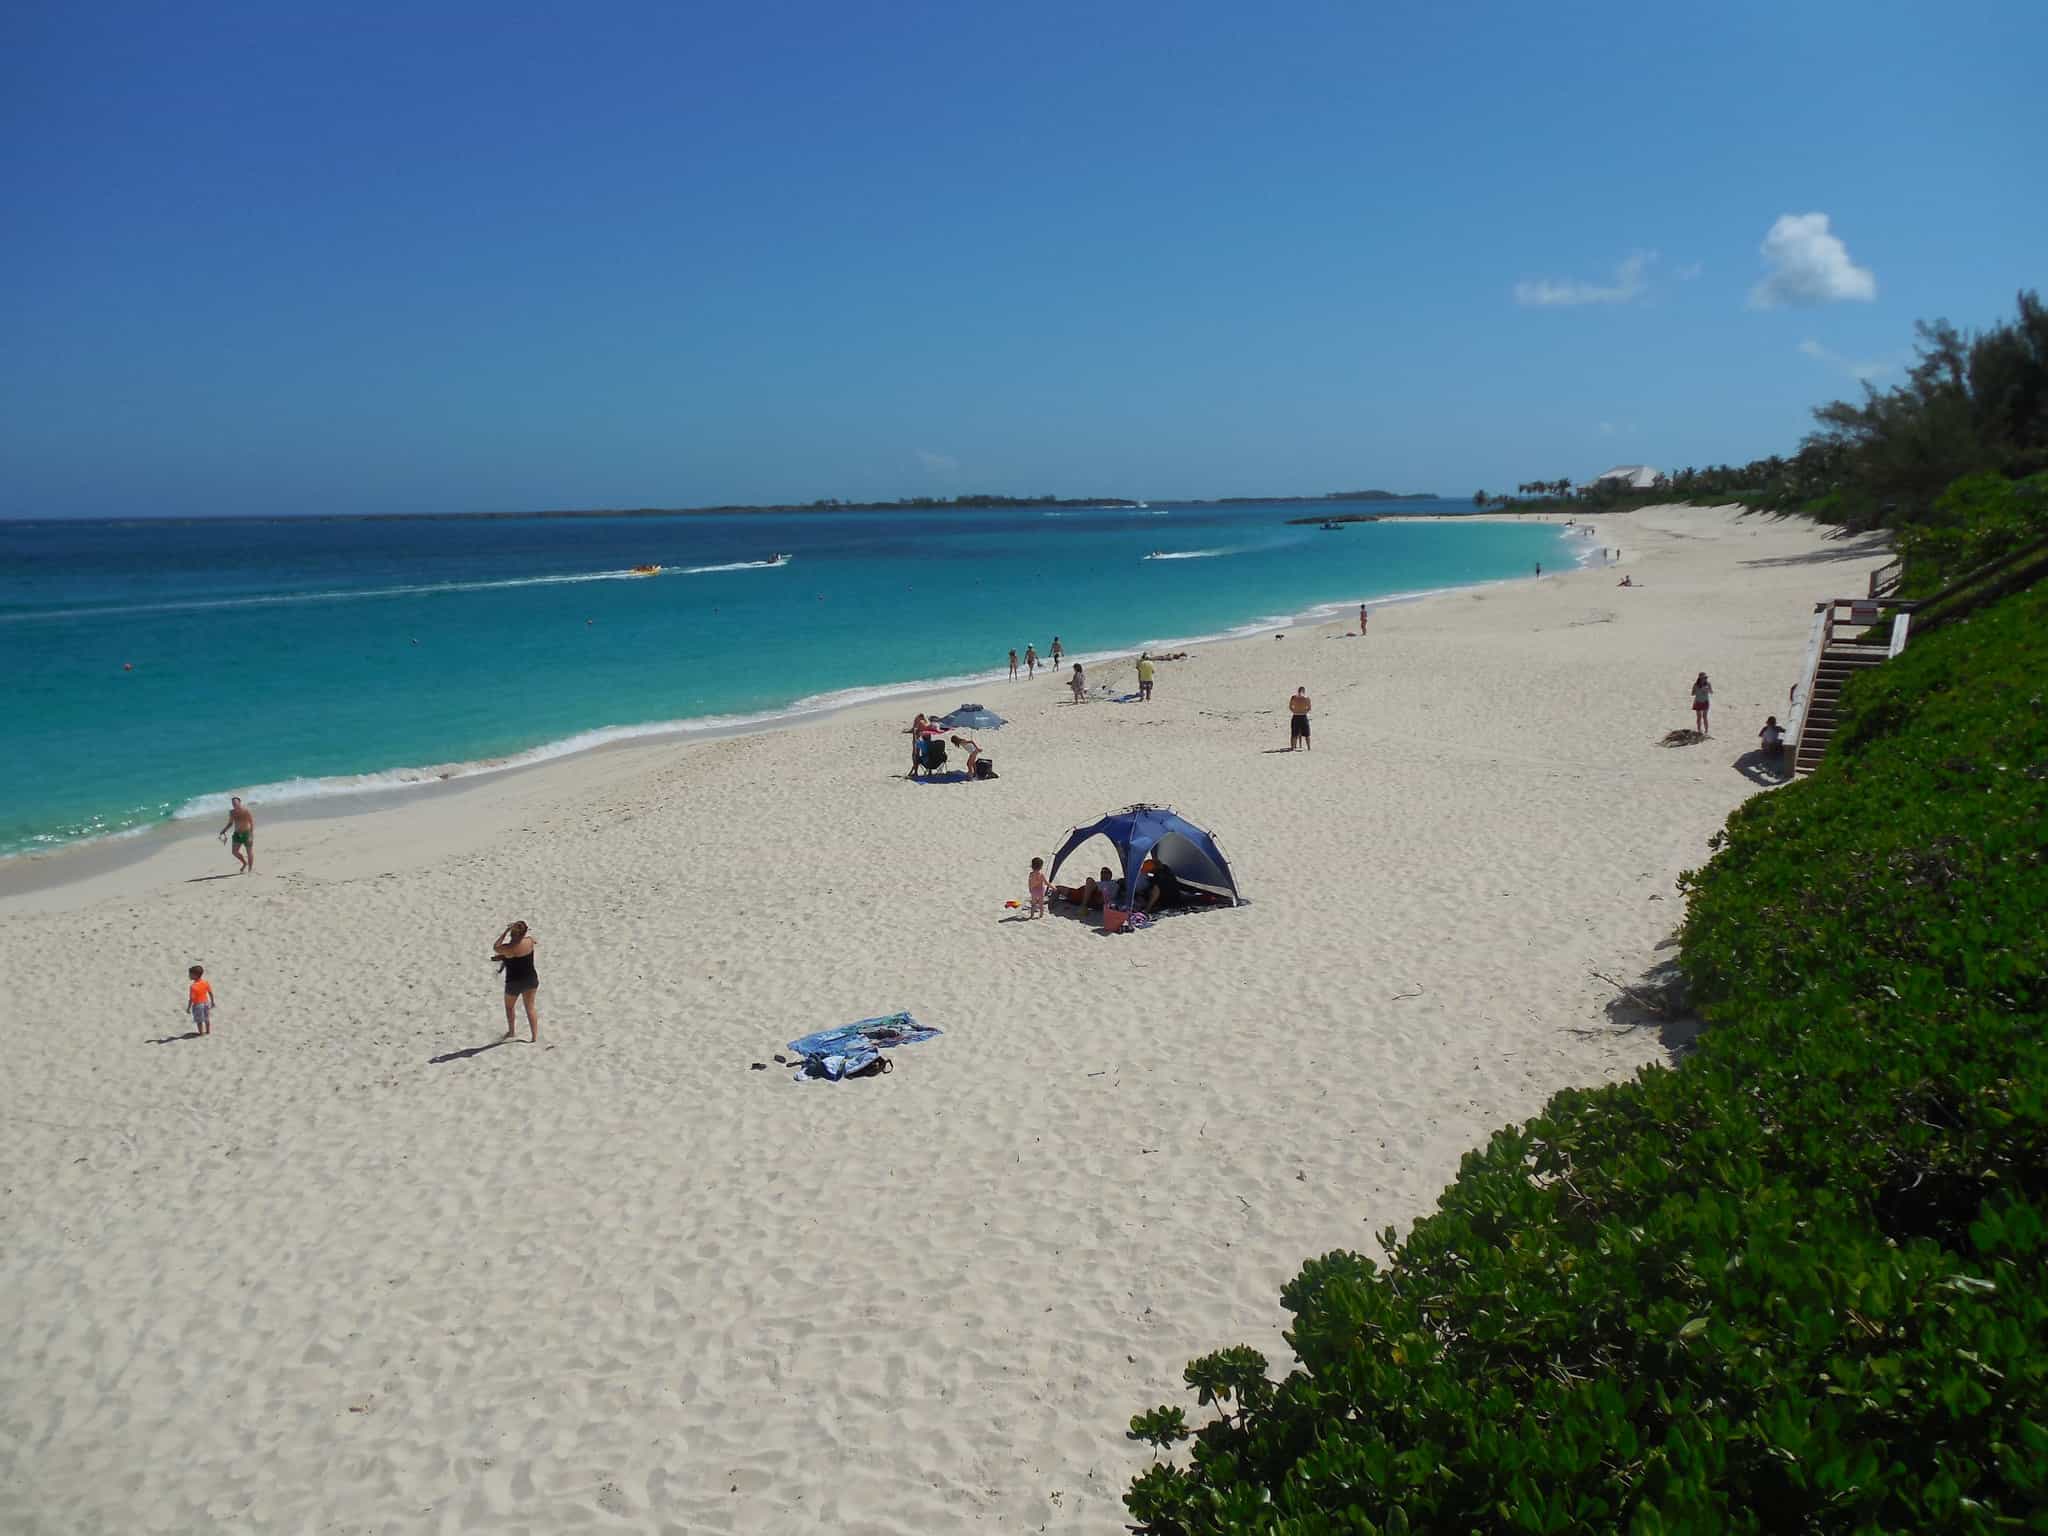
x=1841 y=661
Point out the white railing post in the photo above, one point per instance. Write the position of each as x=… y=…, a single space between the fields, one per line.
x=1802 y=691
x=1902 y=623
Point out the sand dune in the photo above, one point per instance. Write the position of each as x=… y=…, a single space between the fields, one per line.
x=336 y=1268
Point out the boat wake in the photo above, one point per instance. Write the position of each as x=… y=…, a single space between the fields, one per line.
x=736 y=565
x=1188 y=554
x=414 y=589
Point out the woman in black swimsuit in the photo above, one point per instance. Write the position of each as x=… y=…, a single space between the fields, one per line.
x=514 y=950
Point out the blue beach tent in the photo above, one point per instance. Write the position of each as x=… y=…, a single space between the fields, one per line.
x=1140 y=832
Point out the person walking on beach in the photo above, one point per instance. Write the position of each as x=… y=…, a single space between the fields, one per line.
x=1055 y=650
x=242 y=822
x=1702 y=697
x=514 y=950
x=1297 y=720
x=1030 y=662
x=1036 y=887
x=1144 y=678
x=1013 y=664
x=1361 y=621
x=199 y=1000
x=1077 y=682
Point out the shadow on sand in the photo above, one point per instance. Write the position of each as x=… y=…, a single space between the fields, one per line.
x=1768 y=769
x=1656 y=1000
x=474 y=1050
x=174 y=1039
x=1857 y=546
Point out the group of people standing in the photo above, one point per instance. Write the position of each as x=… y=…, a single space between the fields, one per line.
x=1031 y=662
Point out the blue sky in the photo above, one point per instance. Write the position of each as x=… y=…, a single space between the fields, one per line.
x=277 y=258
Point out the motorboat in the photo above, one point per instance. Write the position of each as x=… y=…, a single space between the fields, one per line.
x=1333 y=527
x=645 y=570
x=780 y=559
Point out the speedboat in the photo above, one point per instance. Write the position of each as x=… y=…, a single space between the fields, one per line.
x=646 y=570
x=1333 y=527
x=780 y=559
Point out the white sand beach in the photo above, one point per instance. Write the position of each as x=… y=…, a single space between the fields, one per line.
x=333 y=1269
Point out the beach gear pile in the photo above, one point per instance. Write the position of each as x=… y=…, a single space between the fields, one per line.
x=855 y=1050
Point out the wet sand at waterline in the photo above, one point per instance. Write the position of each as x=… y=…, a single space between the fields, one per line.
x=336 y=1267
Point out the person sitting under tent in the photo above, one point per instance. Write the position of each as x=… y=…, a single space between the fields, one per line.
x=1160 y=888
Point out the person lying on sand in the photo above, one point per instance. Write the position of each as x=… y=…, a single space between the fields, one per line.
x=1090 y=892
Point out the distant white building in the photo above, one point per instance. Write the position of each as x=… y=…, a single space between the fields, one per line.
x=1637 y=477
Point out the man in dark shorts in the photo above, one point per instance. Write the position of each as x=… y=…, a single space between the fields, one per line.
x=1297 y=723
x=242 y=821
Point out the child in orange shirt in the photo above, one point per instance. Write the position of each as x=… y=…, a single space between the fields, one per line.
x=199 y=1001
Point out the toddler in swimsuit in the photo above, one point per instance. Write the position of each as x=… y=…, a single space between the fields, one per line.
x=199 y=1000
x=1037 y=885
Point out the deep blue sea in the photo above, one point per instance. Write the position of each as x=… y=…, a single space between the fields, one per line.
x=153 y=666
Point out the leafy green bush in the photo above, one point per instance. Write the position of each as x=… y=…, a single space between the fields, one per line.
x=1977 y=520
x=1797 y=1283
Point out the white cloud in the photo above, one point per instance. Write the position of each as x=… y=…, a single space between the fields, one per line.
x=1630 y=279
x=1689 y=271
x=1809 y=266
x=937 y=463
x=1607 y=429
x=1862 y=372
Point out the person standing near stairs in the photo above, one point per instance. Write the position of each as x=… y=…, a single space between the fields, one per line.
x=1702 y=696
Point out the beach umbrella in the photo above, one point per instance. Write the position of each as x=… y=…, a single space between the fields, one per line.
x=972 y=717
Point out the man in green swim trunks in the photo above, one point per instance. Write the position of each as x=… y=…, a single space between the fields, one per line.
x=242 y=822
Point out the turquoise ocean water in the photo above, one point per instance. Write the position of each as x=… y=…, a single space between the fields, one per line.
x=154 y=666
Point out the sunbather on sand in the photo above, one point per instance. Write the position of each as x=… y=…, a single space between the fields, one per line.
x=1090 y=892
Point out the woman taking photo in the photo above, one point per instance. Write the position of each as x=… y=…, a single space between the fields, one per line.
x=514 y=950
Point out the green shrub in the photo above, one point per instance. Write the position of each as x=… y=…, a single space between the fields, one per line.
x=1977 y=520
x=1797 y=1283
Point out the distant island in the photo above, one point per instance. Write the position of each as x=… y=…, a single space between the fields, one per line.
x=978 y=502
x=971 y=503
x=1292 y=501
